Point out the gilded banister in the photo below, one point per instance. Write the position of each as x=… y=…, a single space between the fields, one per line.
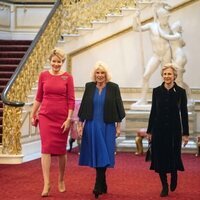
x=19 y=88
x=83 y=12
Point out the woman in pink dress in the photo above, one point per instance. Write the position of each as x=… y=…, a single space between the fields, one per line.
x=53 y=106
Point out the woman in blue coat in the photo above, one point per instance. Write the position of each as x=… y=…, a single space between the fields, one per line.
x=168 y=125
x=101 y=112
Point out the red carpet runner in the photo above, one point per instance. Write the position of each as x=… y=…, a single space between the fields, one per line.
x=129 y=180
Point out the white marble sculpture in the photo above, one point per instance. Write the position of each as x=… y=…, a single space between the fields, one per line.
x=161 y=47
x=178 y=55
x=167 y=45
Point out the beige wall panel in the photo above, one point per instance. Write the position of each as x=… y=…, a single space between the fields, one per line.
x=30 y=17
x=4 y=16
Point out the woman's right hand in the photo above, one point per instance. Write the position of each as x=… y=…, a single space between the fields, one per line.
x=149 y=137
x=80 y=131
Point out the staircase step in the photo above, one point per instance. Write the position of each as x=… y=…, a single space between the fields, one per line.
x=10 y=60
x=6 y=74
x=15 y=42
x=4 y=81
x=1 y=112
x=1 y=90
x=8 y=67
x=14 y=47
x=12 y=54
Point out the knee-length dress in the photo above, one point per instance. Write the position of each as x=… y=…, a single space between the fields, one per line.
x=98 y=140
x=56 y=94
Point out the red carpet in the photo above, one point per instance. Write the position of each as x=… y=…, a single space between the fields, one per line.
x=129 y=180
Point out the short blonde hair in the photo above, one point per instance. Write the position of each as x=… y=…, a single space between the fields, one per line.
x=100 y=66
x=172 y=66
x=59 y=53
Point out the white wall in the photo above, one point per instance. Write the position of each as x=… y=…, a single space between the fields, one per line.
x=19 y=21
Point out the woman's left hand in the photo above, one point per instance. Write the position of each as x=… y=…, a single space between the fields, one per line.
x=66 y=125
x=118 y=131
x=185 y=140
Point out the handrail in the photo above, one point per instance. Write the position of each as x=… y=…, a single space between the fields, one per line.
x=25 y=2
x=23 y=61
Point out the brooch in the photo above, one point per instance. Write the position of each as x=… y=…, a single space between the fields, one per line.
x=64 y=77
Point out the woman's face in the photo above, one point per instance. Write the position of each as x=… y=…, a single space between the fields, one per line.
x=100 y=76
x=168 y=76
x=56 y=64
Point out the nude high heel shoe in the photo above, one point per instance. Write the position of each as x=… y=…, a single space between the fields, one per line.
x=61 y=186
x=45 y=193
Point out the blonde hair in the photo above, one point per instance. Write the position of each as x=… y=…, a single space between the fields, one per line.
x=172 y=66
x=100 y=66
x=59 y=53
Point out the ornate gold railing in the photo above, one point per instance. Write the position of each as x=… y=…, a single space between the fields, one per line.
x=82 y=13
x=66 y=17
x=20 y=85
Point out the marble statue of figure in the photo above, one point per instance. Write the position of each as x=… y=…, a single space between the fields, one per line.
x=161 y=47
x=178 y=55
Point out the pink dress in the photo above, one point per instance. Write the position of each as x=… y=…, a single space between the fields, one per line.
x=56 y=94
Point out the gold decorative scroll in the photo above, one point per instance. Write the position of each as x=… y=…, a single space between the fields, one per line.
x=81 y=14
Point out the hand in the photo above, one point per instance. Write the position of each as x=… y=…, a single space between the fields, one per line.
x=80 y=130
x=149 y=137
x=66 y=125
x=185 y=139
x=137 y=13
x=118 y=131
x=34 y=120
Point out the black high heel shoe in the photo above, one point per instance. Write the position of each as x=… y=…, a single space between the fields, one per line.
x=173 y=183
x=104 y=189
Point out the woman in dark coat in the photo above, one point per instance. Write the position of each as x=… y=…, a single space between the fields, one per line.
x=168 y=125
x=102 y=111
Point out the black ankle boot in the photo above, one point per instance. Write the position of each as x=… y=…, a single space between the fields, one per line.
x=173 y=183
x=165 y=190
x=104 y=188
x=98 y=186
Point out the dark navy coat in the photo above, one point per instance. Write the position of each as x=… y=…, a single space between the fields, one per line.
x=168 y=121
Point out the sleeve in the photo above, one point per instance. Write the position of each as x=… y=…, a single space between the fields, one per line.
x=120 y=106
x=39 y=95
x=184 y=114
x=152 y=113
x=70 y=94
